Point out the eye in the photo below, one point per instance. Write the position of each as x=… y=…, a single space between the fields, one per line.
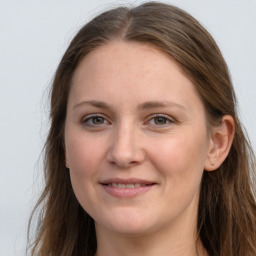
x=160 y=120
x=94 y=120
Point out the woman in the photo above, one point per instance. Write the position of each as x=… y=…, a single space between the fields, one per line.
x=146 y=154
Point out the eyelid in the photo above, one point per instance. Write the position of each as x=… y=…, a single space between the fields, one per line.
x=167 y=117
x=88 y=117
x=170 y=120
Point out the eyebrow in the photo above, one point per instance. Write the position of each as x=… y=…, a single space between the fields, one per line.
x=157 y=104
x=144 y=106
x=95 y=103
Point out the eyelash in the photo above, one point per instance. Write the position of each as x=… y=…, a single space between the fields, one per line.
x=88 y=120
x=167 y=120
x=91 y=117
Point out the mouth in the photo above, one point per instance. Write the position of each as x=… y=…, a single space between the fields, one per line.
x=127 y=188
x=123 y=185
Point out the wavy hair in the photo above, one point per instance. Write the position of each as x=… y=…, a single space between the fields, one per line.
x=227 y=208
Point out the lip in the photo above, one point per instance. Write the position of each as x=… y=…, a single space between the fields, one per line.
x=142 y=186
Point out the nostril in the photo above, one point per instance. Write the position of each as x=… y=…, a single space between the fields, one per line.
x=125 y=153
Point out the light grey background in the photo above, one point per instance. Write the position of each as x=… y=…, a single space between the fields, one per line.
x=33 y=37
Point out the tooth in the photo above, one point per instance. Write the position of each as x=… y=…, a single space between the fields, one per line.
x=129 y=186
x=121 y=185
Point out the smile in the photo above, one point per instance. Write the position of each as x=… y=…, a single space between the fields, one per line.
x=126 y=188
x=120 y=185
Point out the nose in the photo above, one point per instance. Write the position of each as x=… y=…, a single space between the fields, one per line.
x=126 y=149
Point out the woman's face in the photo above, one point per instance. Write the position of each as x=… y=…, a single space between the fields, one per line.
x=136 y=140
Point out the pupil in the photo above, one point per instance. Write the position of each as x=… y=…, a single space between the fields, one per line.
x=97 y=120
x=160 y=120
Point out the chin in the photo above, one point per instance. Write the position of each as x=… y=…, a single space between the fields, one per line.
x=133 y=224
x=129 y=230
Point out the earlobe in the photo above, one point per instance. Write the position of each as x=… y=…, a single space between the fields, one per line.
x=220 y=144
x=65 y=155
x=66 y=163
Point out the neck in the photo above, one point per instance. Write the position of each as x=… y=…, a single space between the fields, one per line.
x=171 y=241
x=173 y=238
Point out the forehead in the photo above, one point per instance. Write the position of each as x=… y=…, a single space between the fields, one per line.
x=131 y=70
x=144 y=57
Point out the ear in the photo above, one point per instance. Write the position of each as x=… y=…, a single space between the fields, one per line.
x=65 y=155
x=220 y=143
x=66 y=162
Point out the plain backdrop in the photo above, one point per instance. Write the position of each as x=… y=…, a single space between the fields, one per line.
x=33 y=37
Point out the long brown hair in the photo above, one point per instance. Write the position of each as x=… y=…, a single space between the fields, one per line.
x=227 y=208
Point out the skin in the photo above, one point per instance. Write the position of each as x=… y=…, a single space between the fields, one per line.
x=165 y=141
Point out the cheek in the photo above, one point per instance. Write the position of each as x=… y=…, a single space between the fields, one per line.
x=84 y=158
x=84 y=161
x=82 y=154
x=180 y=158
